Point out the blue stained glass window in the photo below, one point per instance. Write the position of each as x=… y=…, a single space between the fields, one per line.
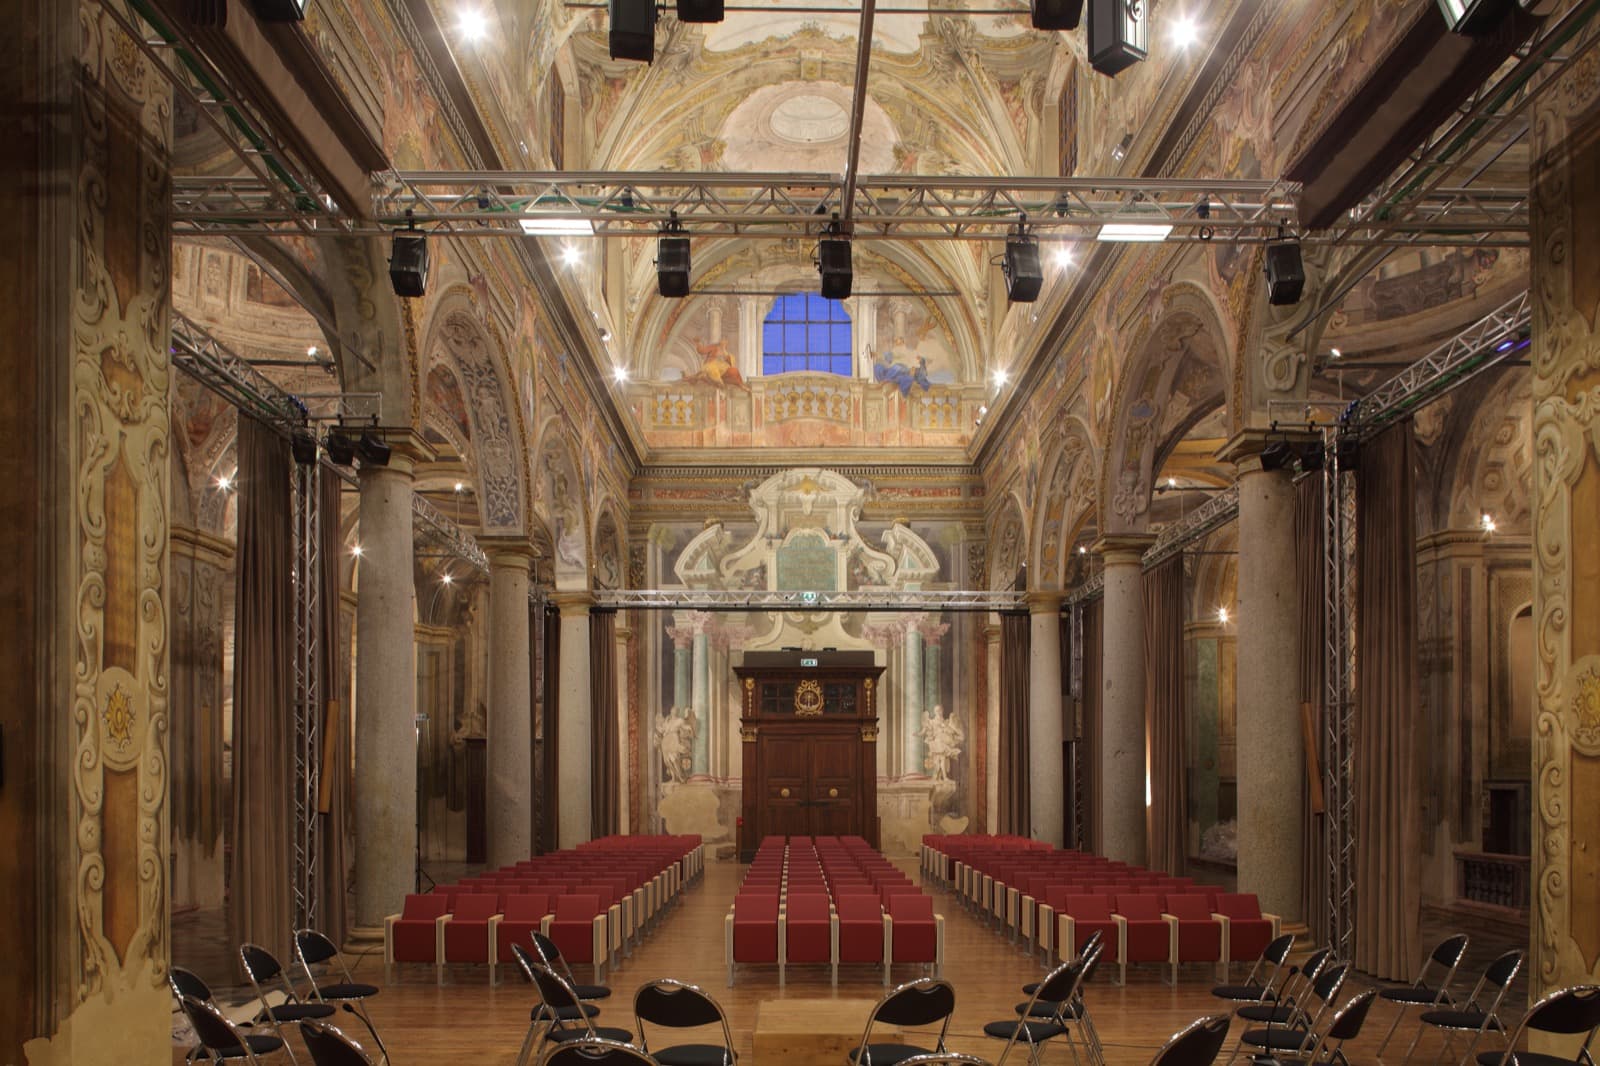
x=805 y=332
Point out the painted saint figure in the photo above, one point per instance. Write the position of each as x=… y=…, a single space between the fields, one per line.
x=901 y=375
x=674 y=741
x=942 y=733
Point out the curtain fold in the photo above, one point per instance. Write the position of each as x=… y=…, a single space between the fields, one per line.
x=1388 y=889
x=1069 y=739
x=1014 y=812
x=1093 y=703
x=1164 y=715
x=549 y=819
x=1308 y=574
x=604 y=786
x=260 y=906
x=335 y=734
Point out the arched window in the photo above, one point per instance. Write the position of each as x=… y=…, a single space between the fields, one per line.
x=805 y=332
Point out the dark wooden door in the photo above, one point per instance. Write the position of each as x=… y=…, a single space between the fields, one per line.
x=834 y=795
x=788 y=785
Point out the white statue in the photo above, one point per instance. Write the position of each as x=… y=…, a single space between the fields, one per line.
x=674 y=741
x=943 y=735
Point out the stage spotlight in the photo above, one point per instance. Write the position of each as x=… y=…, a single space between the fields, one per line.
x=340 y=448
x=408 y=262
x=279 y=10
x=633 y=30
x=1277 y=454
x=304 y=446
x=1020 y=266
x=1056 y=14
x=1286 y=273
x=1118 y=35
x=833 y=263
x=699 y=10
x=373 y=450
x=672 y=260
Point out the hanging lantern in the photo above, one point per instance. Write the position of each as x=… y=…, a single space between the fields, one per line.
x=1118 y=34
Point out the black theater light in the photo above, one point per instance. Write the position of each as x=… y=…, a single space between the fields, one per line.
x=1286 y=272
x=279 y=10
x=1056 y=14
x=672 y=260
x=304 y=447
x=1119 y=33
x=633 y=30
x=340 y=448
x=833 y=263
x=699 y=10
x=1020 y=265
x=408 y=262
x=372 y=449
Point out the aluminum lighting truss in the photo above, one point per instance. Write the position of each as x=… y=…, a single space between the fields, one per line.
x=1337 y=730
x=434 y=527
x=853 y=600
x=1091 y=589
x=799 y=206
x=307 y=708
x=1216 y=512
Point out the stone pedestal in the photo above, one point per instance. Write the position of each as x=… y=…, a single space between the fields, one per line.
x=1046 y=798
x=1271 y=762
x=576 y=734
x=386 y=695
x=1122 y=738
x=510 y=748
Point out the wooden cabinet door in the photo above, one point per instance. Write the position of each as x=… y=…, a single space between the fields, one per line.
x=786 y=777
x=834 y=770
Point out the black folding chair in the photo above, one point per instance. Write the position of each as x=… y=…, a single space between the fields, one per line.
x=220 y=1039
x=1060 y=988
x=1422 y=992
x=1196 y=1044
x=567 y=1016
x=330 y=1047
x=1570 y=1012
x=1297 y=1037
x=927 y=1001
x=314 y=949
x=1254 y=989
x=1479 y=1015
x=596 y=1052
x=1298 y=985
x=676 y=1005
x=945 y=1058
x=1345 y=1026
x=1078 y=1009
x=263 y=968
x=550 y=955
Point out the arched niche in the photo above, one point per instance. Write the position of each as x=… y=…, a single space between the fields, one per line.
x=1066 y=496
x=561 y=501
x=1008 y=543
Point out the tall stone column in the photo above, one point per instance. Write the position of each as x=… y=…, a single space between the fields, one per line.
x=1272 y=769
x=510 y=746
x=1046 y=810
x=627 y=738
x=1565 y=889
x=1122 y=739
x=700 y=698
x=681 y=663
x=386 y=692
x=916 y=751
x=930 y=668
x=576 y=740
x=991 y=735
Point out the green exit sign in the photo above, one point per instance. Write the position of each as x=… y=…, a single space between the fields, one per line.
x=808 y=662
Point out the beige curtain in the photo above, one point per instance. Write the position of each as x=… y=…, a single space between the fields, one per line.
x=1163 y=711
x=260 y=876
x=335 y=768
x=549 y=816
x=604 y=785
x=1013 y=772
x=1093 y=702
x=1308 y=563
x=1388 y=891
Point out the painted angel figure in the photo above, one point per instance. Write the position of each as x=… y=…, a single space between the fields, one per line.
x=674 y=735
x=942 y=733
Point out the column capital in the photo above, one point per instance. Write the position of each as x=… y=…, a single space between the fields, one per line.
x=573 y=602
x=1123 y=549
x=1244 y=448
x=1045 y=601
x=991 y=633
x=508 y=553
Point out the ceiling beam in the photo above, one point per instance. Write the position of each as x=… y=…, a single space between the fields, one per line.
x=858 y=109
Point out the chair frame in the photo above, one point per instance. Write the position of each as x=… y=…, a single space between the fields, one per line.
x=293 y=997
x=863 y=1057
x=1176 y=1040
x=207 y=1007
x=1442 y=996
x=354 y=1005
x=326 y=1028
x=1278 y=969
x=611 y=1047
x=678 y=988
x=553 y=1020
x=1303 y=1021
x=1491 y=1014
x=1073 y=970
x=1509 y=1056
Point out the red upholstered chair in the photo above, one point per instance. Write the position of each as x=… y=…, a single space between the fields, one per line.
x=1245 y=930
x=1080 y=916
x=578 y=926
x=806 y=930
x=863 y=931
x=1199 y=934
x=1142 y=934
x=469 y=935
x=415 y=934
x=916 y=934
x=750 y=931
x=523 y=916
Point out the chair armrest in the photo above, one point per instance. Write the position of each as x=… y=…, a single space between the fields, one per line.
x=544 y=924
x=438 y=936
x=1227 y=935
x=1172 y=936
x=888 y=938
x=833 y=937
x=1025 y=921
x=1276 y=923
x=614 y=926
x=1045 y=927
x=938 y=943
x=1122 y=936
x=1066 y=936
x=601 y=942
x=494 y=930
x=783 y=937
x=388 y=937
x=727 y=937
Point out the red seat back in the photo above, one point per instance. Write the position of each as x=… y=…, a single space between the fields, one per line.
x=1189 y=908
x=425 y=908
x=904 y=905
x=569 y=908
x=1239 y=905
x=1089 y=908
x=475 y=908
x=527 y=908
x=1139 y=907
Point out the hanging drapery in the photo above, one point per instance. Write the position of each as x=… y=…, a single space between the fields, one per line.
x=1308 y=527
x=1168 y=807
x=1014 y=812
x=550 y=683
x=1069 y=740
x=605 y=798
x=261 y=876
x=334 y=782
x=1093 y=701
x=1388 y=890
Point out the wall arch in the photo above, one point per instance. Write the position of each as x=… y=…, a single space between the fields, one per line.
x=561 y=500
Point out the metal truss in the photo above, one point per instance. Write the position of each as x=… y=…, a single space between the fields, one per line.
x=1481 y=345
x=1337 y=726
x=852 y=601
x=799 y=206
x=432 y=525
x=1220 y=509
x=1091 y=589
x=231 y=376
x=307 y=706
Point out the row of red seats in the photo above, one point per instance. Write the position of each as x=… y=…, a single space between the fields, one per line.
x=593 y=901
x=1057 y=898
x=830 y=900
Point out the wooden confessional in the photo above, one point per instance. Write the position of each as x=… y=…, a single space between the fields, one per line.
x=810 y=739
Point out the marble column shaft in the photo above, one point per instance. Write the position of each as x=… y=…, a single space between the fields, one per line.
x=1122 y=719
x=700 y=700
x=1046 y=798
x=1271 y=765
x=991 y=736
x=510 y=741
x=386 y=696
x=916 y=751
x=576 y=738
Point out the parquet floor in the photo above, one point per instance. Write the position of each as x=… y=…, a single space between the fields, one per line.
x=466 y=1020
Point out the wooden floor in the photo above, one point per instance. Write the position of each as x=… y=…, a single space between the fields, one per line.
x=422 y=1023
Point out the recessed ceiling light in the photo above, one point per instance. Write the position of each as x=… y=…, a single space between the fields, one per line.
x=1185 y=32
x=355 y=549
x=1000 y=378
x=1135 y=232
x=557 y=227
x=473 y=24
x=1063 y=257
x=619 y=374
x=1336 y=353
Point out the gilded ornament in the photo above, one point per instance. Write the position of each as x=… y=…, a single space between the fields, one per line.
x=808 y=699
x=118 y=716
x=1586 y=708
